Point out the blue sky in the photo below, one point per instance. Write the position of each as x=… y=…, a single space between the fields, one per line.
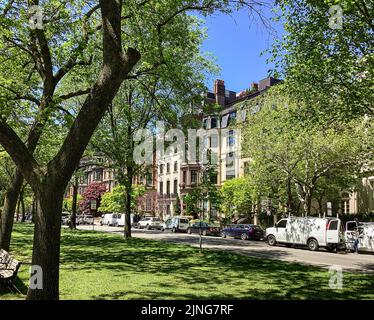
x=237 y=41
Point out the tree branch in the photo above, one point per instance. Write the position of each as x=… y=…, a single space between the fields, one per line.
x=74 y=94
x=20 y=154
x=115 y=68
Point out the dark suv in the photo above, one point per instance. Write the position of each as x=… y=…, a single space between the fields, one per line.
x=243 y=231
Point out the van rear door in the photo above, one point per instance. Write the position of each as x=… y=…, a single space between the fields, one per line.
x=332 y=231
x=350 y=227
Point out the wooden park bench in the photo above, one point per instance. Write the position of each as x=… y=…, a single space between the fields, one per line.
x=8 y=270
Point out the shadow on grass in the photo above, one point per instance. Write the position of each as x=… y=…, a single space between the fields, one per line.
x=213 y=274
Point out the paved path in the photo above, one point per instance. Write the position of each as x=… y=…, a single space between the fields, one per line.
x=348 y=261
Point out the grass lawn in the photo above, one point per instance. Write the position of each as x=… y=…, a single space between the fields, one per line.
x=104 y=266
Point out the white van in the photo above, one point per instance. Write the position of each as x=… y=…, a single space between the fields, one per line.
x=176 y=224
x=109 y=219
x=121 y=219
x=312 y=232
x=366 y=235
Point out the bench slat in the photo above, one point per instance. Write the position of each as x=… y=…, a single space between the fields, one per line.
x=8 y=266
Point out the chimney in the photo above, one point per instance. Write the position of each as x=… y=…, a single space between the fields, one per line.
x=254 y=87
x=220 y=92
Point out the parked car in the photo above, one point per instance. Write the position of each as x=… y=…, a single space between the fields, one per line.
x=79 y=220
x=65 y=218
x=135 y=218
x=87 y=219
x=243 y=231
x=176 y=224
x=150 y=223
x=28 y=218
x=121 y=219
x=206 y=228
x=311 y=232
x=110 y=219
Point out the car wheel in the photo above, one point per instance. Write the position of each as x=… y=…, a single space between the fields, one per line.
x=162 y=229
x=204 y=232
x=244 y=236
x=174 y=230
x=148 y=227
x=313 y=245
x=223 y=234
x=189 y=231
x=271 y=240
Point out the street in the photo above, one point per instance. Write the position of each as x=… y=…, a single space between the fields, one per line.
x=362 y=262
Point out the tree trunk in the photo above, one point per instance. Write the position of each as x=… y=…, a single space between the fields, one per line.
x=73 y=218
x=7 y=216
x=46 y=244
x=127 y=182
x=18 y=208
x=307 y=202
x=33 y=209
x=127 y=229
x=289 y=197
x=23 y=218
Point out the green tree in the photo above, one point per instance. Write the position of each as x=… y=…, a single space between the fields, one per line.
x=115 y=201
x=302 y=152
x=192 y=201
x=329 y=66
x=236 y=197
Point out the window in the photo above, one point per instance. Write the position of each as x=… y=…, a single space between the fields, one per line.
x=282 y=224
x=149 y=179
x=333 y=225
x=175 y=189
x=231 y=138
x=168 y=188
x=213 y=123
x=98 y=175
x=161 y=188
x=161 y=168
x=205 y=123
x=230 y=174
x=175 y=166
x=345 y=207
x=193 y=176
x=229 y=159
x=149 y=205
x=168 y=168
x=214 y=178
x=233 y=115
x=225 y=121
x=184 y=176
x=214 y=141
